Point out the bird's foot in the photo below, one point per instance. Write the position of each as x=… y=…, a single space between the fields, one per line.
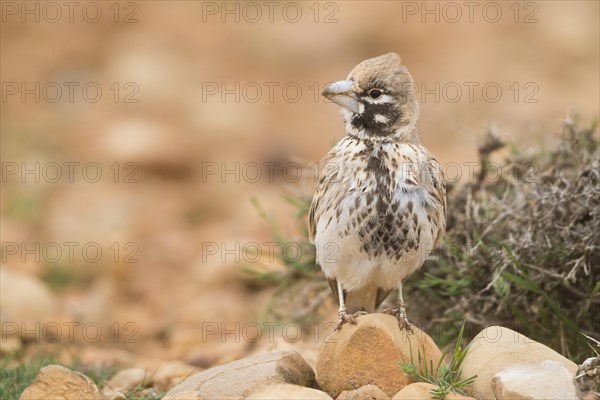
x=400 y=313
x=345 y=317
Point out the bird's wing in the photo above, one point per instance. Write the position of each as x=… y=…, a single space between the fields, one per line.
x=437 y=190
x=328 y=168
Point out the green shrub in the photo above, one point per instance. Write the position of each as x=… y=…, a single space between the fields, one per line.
x=522 y=250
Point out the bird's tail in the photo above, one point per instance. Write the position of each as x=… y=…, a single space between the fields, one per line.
x=366 y=299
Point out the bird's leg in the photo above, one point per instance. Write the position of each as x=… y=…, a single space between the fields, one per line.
x=344 y=316
x=400 y=312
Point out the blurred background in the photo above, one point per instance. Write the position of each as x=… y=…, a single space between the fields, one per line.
x=136 y=134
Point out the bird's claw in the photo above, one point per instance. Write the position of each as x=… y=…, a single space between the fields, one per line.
x=400 y=313
x=345 y=317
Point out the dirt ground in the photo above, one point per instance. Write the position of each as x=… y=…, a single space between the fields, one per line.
x=135 y=135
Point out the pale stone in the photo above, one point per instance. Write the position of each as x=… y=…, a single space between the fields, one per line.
x=537 y=380
x=57 y=382
x=367 y=392
x=114 y=395
x=148 y=143
x=415 y=391
x=422 y=390
x=129 y=378
x=26 y=304
x=187 y=395
x=369 y=353
x=496 y=348
x=456 y=396
x=172 y=371
x=286 y=391
x=239 y=378
x=308 y=346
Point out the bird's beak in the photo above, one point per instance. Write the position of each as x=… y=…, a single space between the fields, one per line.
x=341 y=93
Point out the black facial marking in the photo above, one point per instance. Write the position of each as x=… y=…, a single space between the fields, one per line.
x=366 y=120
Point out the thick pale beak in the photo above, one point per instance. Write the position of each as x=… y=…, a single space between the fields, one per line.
x=341 y=93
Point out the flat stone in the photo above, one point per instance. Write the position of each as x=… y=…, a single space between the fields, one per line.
x=286 y=391
x=129 y=378
x=187 y=395
x=497 y=348
x=367 y=392
x=537 y=380
x=422 y=390
x=172 y=371
x=415 y=391
x=239 y=378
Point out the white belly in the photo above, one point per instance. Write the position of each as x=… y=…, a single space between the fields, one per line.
x=342 y=257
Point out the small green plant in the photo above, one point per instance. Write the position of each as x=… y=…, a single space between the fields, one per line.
x=447 y=378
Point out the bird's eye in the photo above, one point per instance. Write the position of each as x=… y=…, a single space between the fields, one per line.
x=375 y=93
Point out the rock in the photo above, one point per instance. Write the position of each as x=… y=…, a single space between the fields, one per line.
x=536 y=380
x=415 y=391
x=114 y=395
x=57 y=382
x=422 y=390
x=150 y=144
x=187 y=395
x=308 y=346
x=496 y=348
x=367 y=392
x=129 y=378
x=286 y=391
x=239 y=378
x=456 y=396
x=26 y=305
x=171 y=371
x=368 y=353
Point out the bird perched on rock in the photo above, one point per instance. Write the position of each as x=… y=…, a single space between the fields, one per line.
x=380 y=203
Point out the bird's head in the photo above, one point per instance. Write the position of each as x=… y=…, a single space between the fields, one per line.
x=378 y=100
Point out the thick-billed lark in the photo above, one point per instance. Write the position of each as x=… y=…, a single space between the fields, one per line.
x=380 y=204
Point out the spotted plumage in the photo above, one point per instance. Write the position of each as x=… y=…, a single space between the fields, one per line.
x=380 y=203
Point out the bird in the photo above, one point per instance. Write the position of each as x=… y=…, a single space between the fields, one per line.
x=379 y=206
